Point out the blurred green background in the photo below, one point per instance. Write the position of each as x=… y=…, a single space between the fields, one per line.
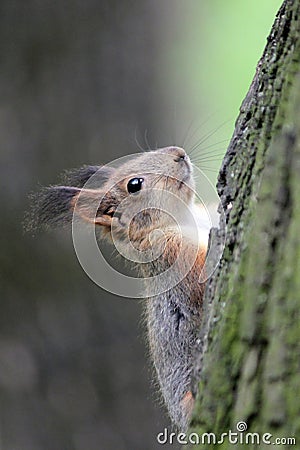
x=79 y=82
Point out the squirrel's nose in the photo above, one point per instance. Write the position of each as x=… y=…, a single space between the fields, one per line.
x=178 y=153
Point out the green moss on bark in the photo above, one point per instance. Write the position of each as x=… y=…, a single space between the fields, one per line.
x=251 y=368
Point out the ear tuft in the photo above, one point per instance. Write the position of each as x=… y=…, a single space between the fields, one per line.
x=50 y=207
x=78 y=177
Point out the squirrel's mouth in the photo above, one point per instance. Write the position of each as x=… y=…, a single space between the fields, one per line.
x=187 y=178
x=184 y=182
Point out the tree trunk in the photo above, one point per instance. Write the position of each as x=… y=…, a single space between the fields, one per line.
x=250 y=371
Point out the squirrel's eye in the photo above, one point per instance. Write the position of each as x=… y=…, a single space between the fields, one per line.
x=134 y=185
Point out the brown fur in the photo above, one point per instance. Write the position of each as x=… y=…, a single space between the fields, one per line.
x=174 y=316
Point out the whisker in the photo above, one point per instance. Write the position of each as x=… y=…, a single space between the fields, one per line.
x=207 y=136
x=174 y=125
x=158 y=179
x=198 y=128
x=205 y=168
x=146 y=139
x=221 y=153
x=211 y=145
x=208 y=160
x=137 y=141
x=187 y=132
x=204 y=157
x=208 y=169
x=197 y=162
x=217 y=152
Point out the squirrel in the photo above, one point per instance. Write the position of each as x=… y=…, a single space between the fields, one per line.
x=149 y=200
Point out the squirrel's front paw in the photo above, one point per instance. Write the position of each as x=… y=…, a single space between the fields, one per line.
x=187 y=404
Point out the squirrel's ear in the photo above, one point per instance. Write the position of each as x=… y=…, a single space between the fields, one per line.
x=95 y=206
x=50 y=207
x=54 y=206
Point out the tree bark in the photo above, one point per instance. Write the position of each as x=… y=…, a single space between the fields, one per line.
x=250 y=371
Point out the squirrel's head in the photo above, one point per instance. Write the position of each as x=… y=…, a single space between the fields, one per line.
x=138 y=196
